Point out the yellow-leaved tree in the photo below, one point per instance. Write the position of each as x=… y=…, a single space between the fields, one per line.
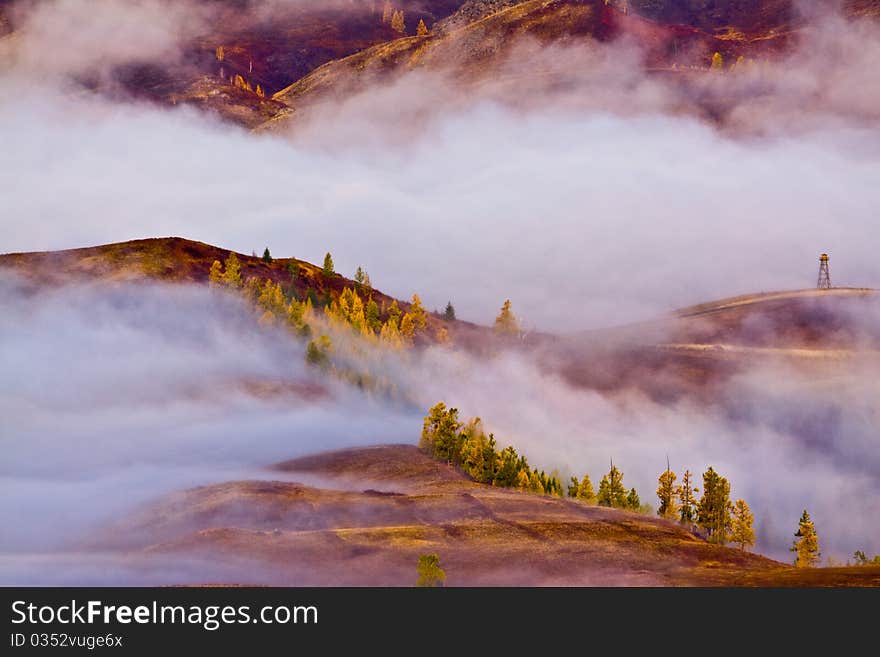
x=397 y=23
x=666 y=493
x=806 y=544
x=422 y=29
x=417 y=316
x=232 y=275
x=407 y=328
x=430 y=572
x=585 y=490
x=390 y=334
x=742 y=531
x=506 y=322
x=215 y=276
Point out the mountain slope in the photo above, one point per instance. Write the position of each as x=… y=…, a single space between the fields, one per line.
x=508 y=44
x=696 y=351
x=232 y=54
x=178 y=260
x=377 y=509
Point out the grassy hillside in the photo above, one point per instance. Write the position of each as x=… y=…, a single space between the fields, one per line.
x=476 y=49
x=176 y=260
x=696 y=350
x=374 y=510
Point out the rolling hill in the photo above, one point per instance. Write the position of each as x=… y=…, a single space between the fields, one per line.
x=376 y=509
x=177 y=260
x=521 y=51
x=503 y=44
x=696 y=351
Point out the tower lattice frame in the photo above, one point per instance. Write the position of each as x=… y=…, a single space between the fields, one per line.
x=824 y=282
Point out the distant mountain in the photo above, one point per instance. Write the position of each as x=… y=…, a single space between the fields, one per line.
x=246 y=46
x=486 y=49
x=252 y=61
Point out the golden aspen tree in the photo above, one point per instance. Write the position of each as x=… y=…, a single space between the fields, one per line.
x=422 y=29
x=232 y=275
x=742 y=532
x=585 y=491
x=418 y=314
x=535 y=485
x=215 y=276
x=717 y=62
x=397 y=22
x=407 y=327
x=506 y=322
x=390 y=334
x=806 y=544
x=394 y=313
x=666 y=493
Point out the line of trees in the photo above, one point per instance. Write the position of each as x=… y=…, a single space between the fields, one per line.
x=353 y=310
x=722 y=520
x=467 y=446
x=612 y=493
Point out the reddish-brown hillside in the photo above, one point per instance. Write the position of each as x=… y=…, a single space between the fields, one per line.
x=178 y=260
x=503 y=44
x=267 y=44
x=377 y=509
x=696 y=350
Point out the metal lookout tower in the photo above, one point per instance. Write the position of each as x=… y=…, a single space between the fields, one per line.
x=824 y=282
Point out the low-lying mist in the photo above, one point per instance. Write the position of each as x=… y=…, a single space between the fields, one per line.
x=786 y=437
x=602 y=202
x=111 y=397
x=606 y=202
